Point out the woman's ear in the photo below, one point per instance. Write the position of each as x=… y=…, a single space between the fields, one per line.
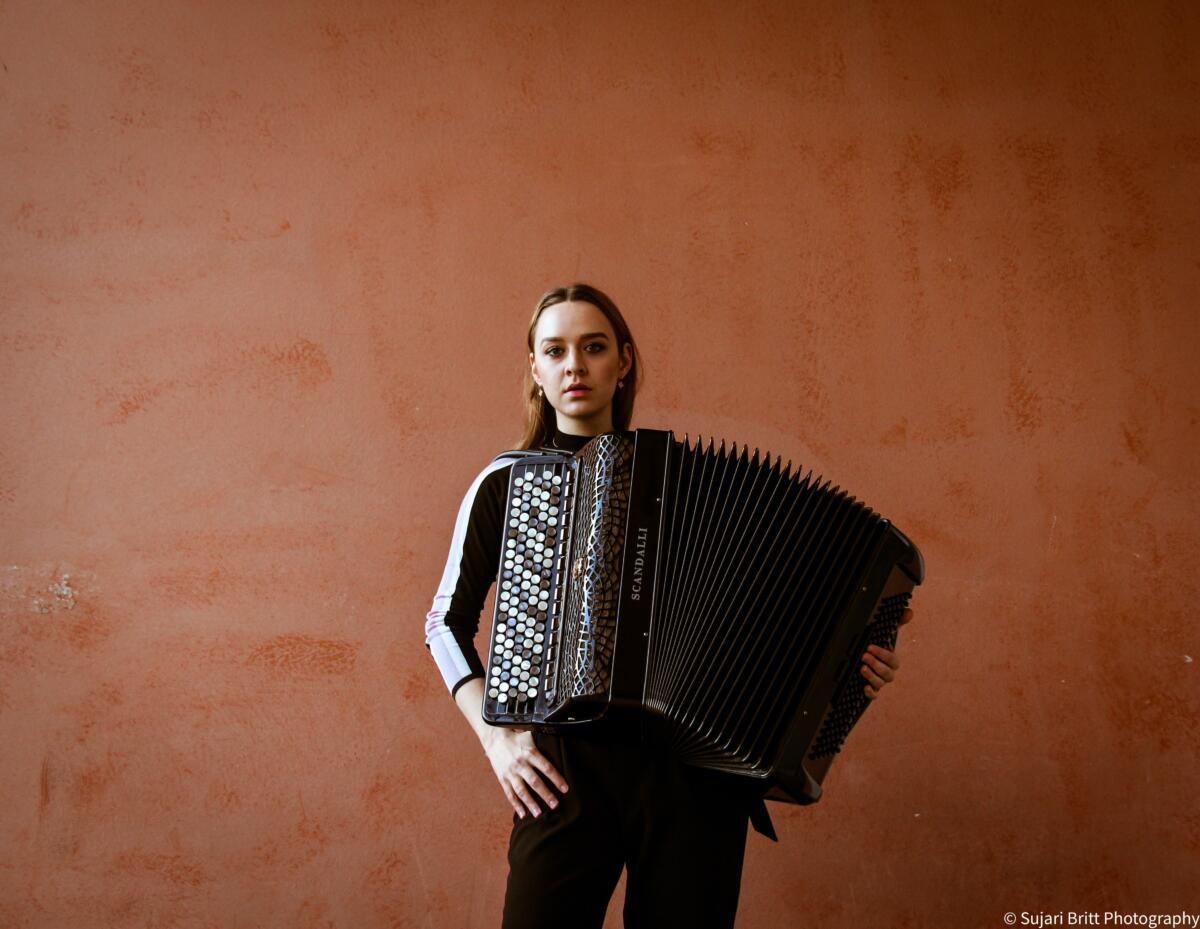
x=533 y=371
x=626 y=358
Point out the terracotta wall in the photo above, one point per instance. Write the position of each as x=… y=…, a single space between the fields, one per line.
x=265 y=271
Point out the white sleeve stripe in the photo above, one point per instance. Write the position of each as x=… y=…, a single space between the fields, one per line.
x=442 y=645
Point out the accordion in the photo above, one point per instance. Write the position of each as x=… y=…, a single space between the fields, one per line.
x=714 y=600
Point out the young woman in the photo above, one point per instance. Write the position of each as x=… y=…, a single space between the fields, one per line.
x=590 y=801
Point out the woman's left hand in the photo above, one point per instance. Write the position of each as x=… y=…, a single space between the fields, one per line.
x=880 y=665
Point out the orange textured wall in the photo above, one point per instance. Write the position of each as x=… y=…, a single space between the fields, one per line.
x=265 y=270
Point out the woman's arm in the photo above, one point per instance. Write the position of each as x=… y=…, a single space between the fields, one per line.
x=450 y=629
x=518 y=765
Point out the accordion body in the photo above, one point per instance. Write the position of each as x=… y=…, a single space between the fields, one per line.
x=713 y=600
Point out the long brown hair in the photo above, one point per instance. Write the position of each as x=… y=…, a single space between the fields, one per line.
x=539 y=414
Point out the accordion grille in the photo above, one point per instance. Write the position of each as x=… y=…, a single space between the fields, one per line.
x=851 y=702
x=588 y=628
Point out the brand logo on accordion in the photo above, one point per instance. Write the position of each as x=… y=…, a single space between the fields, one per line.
x=639 y=564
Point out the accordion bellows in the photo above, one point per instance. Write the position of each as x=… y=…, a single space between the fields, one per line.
x=714 y=599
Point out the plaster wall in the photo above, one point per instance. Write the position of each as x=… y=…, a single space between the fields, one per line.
x=264 y=273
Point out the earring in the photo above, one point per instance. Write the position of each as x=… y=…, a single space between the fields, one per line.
x=620 y=384
x=541 y=393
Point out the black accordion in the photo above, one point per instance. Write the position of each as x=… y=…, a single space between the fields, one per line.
x=715 y=600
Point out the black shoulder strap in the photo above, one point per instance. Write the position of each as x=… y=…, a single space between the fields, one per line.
x=518 y=453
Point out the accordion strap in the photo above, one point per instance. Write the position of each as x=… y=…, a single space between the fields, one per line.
x=518 y=453
x=760 y=819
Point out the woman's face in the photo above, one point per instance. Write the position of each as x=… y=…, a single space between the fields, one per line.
x=576 y=362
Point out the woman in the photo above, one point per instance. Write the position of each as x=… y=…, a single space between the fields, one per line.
x=590 y=801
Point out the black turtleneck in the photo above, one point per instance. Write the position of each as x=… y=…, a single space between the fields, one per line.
x=568 y=442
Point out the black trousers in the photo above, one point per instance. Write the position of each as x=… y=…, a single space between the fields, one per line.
x=680 y=831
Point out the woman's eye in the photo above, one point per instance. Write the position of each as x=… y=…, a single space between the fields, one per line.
x=595 y=347
x=553 y=351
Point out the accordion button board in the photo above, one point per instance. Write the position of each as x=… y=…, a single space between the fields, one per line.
x=715 y=599
x=532 y=555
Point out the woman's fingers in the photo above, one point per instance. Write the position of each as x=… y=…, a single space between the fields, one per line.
x=882 y=662
x=530 y=777
x=511 y=796
x=521 y=791
x=542 y=763
x=888 y=657
x=879 y=668
x=520 y=769
x=874 y=679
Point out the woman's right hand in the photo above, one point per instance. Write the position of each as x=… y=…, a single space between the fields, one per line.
x=520 y=769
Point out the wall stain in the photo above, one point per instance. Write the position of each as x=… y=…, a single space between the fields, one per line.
x=32 y=219
x=420 y=685
x=942 y=169
x=232 y=231
x=196 y=585
x=178 y=870
x=298 y=654
x=20 y=341
x=946 y=175
x=45 y=784
x=302 y=844
x=896 y=435
x=235 y=543
x=135 y=119
x=1123 y=176
x=222 y=364
x=389 y=875
x=964 y=497
x=1134 y=435
x=337 y=38
x=138 y=72
x=1187 y=148
x=222 y=798
x=95 y=707
x=92 y=780
x=303 y=361
x=1023 y=403
x=1042 y=168
x=139 y=399
x=90 y=630
x=736 y=144
x=64 y=614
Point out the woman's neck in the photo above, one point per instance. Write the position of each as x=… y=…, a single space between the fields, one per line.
x=569 y=425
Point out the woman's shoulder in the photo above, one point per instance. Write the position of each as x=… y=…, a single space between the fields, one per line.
x=495 y=471
x=492 y=479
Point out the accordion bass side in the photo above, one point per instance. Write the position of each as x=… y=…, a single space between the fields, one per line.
x=719 y=602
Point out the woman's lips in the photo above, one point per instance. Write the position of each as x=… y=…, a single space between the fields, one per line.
x=579 y=391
